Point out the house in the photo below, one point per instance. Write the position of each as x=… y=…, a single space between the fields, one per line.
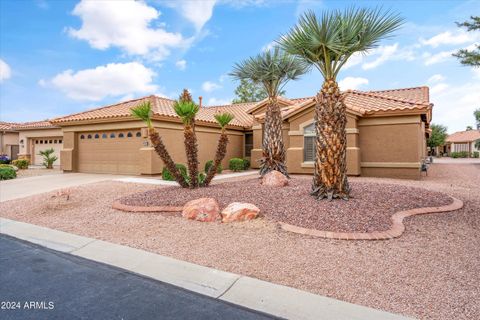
x=8 y=140
x=462 y=141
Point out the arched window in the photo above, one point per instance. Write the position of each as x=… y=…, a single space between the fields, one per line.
x=49 y=141
x=41 y=141
x=59 y=141
x=309 y=143
x=54 y=141
x=129 y=135
x=36 y=141
x=120 y=135
x=82 y=137
x=112 y=135
x=138 y=134
x=89 y=136
x=97 y=136
x=104 y=136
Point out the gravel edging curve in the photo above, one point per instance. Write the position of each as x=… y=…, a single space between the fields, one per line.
x=397 y=229
x=129 y=208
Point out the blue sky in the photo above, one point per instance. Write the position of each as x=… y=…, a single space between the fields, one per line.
x=59 y=57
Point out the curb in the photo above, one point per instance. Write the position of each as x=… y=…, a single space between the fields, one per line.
x=125 y=207
x=277 y=300
x=395 y=231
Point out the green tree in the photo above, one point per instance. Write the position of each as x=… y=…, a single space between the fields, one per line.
x=438 y=136
x=470 y=57
x=272 y=69
x=469 y=128
x=248 y=91
x=48 y=158
x=327 y=42
x=476 y=114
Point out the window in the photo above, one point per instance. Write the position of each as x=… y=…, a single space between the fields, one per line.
x=49 y=141
x=59 y=141
x=138 y=134
x=55 y=141
x=97 y=136
x=309 y=143
x=112 y=135
x=120 y=135
x=104 y=136
x=36 y=141
x=82 y=137
x=89 y=136
x=129 y=135
x=248 y=144
x=41 y=141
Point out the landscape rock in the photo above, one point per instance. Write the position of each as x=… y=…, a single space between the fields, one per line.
x=202 y=209
x=240 y=211
x=275 y=179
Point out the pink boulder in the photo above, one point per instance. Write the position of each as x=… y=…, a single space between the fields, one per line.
x=275 y=179
x=239 y=211
x=202 y=209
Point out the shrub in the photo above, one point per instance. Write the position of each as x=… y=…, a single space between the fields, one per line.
x=3 y=165
x=4 y=159
x=460 y=154
x=48 y=158
x=21 y=163
x=167 y=175
x=236 y=164
x=209 y=163
x=7 y=173
x=246 y=164
x=476 y=154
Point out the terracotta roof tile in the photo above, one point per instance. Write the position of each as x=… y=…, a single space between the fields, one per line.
x=464 y=136
x=34 y=125
x=416 y=94
x=6 y=126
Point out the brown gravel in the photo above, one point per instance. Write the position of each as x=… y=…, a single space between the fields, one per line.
x=26 y=173
x=369 y=209
x=431 y=272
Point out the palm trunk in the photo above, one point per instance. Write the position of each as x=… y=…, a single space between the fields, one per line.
x=165 y=156
x=330 y=176
x=191 y=149
x=273 y=147
x=219 y=155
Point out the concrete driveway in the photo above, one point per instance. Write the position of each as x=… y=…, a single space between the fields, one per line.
x=19 y=188
x=456 y=160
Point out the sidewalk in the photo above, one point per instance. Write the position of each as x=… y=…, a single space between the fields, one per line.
x=277 y=300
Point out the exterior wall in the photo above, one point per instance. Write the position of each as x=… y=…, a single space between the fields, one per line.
x=468 y=146
x=7 y=140
x=27 y=141
x=392 y=146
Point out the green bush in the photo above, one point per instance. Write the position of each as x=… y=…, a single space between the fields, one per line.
x=7 y=173
x=236 y=164
x=476 y=154
x=209 y=163
x=246 y=164
x=21 y=163
x=461 y=154
x=167 y=175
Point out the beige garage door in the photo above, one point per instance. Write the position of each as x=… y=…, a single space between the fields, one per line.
x=109 y=152
x=42 y=144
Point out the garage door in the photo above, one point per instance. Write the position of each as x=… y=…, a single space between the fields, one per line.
x=109 y=152
x=42 y=144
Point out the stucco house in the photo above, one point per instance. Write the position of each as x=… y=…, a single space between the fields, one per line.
x=8 y=140
x=462 y=141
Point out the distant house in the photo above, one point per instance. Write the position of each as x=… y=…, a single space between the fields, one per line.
x=8 y=140
x=462 y=141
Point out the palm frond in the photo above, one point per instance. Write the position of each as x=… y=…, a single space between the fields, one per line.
x=224 y=119
x=186 y=110
x=143 y=112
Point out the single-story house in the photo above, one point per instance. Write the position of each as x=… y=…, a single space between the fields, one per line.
x=462 y=141
x=8 y=140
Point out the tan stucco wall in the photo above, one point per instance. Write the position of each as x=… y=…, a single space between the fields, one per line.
x=7 y=139
x=28 y=137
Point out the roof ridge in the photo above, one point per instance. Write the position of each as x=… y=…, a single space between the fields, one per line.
x=230 y=105
x=401 y=89
x=397 y=99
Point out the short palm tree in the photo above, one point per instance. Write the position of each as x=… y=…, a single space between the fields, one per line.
x=272 y=69
x=327 y=42
x=144 y=112
x=223 y=119
x=186 y=109
x=48 y=158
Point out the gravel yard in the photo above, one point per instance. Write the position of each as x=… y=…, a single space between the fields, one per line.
x=369 y=209
x=431 y=272
x=36 y=172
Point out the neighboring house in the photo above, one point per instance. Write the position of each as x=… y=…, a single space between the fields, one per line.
x=462 y=141
x=8 y=140
x=38 y=136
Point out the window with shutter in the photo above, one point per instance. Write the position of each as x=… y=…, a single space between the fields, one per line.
x=309 y=143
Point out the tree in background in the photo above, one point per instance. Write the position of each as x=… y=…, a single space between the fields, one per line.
x=476 y=114
x=438 y=136
x=248 y=91
x=469 y=128
x=470 y=57
x=327 y=42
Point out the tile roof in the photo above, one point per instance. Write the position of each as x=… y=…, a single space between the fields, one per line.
x=34 y=125
x=416 y=94
x=464 y=136
x=6 y=126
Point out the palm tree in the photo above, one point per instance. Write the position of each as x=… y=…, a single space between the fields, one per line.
x=327 y=43
x=186 y=109
x=272 y=69
x=144 y=112
x=48 y=158
x=223 y=120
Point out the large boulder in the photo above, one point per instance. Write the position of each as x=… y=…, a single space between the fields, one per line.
x=202 y=209
x=275 y=179
x=239 y=211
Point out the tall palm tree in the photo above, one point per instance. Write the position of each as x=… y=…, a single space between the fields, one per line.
x=272 y=69
x=223 y=120
x=186 y=109
x=144 y=112
x=327 y=42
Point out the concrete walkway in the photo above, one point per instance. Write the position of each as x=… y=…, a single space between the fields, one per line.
x=456 y=160
x=20 y=188
x=277 y=300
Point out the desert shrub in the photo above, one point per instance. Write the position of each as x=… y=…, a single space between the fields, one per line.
x=21 y=163
x=7 y=173
x=48 y=158
x=459 y=154
x=246 y=164
x=167 y=175
x=4 y=159
x=454 y=154
x=476 y=154
x=209 y=163
x=463 y=154
x=3 y=165
x=236 y=164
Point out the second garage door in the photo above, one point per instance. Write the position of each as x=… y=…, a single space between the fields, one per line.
x=42 y=144
x=114 y=152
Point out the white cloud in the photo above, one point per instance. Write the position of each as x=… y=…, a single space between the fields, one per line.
x=384 y=53
x=354 y=59
x=125 y=24
x=197 y=12
x=449 y=38
x=438 y=88
x=5 y=71
x=436 y=78
x=114 y=79
x=352 y=83
x=269 y=46
x=209 y=86
x=218 y=102
x=476 y=73
x=181 y=64
x=437 y=57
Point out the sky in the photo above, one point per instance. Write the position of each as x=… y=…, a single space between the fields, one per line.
x=58 y=57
